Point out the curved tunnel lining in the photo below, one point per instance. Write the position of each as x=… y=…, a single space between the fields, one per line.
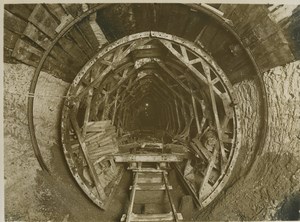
x=165 y=39
x=70 y=25
x=205 y=10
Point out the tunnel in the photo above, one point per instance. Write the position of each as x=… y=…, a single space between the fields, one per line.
x=151 y=112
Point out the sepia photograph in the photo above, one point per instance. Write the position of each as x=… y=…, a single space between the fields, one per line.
x=151 y=111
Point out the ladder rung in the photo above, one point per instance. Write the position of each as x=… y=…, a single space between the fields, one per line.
x=147 y=170
x=154 y=217
x=151 y=187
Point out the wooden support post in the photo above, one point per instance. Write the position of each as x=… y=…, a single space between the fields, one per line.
x=187 y=186
x=166 y=118
x=178 y=117
x=172 y=118
x=207 y=173
x=105 y=109
x=132 y=196
x=169 y=196
x=195 y=112
x=115 y=107
x=169 y=118
x=184 y=112
x=216 y=116
x=87 y=109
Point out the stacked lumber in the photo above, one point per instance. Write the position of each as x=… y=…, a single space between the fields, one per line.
x=100 y=139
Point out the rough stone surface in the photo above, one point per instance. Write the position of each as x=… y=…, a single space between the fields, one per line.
x=247 y=94
x=283 y=87
x=275 y=174
x=20 y=164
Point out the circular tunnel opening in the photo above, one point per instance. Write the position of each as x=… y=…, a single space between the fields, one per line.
x=155 y=98
x=199 y=94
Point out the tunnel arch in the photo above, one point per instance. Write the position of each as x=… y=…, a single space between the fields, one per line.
x=211 y=14
x=202 y=8
x=246 y=78
x=224 y=91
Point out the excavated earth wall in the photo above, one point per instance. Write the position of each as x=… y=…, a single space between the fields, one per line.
x=257 y=194
x=274 y=177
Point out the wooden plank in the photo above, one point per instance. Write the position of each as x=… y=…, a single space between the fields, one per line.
x=155 y=217
x=84 y=25
x=60 y=14
x=71 y=47
x=107 y=145
x=96 y=147
x=151 y=186
x=269 y=54
x=95 y=156
x=195 y=112
x=215 y=111
x=94 y=176
x=37 y=36
x=115 y=107
x=74 y=9
x=30 y=6
x=132 y=197
x=170 y=197
x=87 y=108
x=30 y=55
x=202 y=149
x=101 y=142
x=227 y=9
x=97 y=136
x=19 y=10
x=86 y=28
x=256 y=14
x=241 y=72
x=10 y=39
x=44 y=21
x=26 y=53
x=149 y=157
x=14 y=23
x=100 y=124
x=67 y=64
x=207 y=174
x=148 y=177
x=7 y=54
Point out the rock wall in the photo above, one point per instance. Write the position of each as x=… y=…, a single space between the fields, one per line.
x=20 y=165
x=275 y=174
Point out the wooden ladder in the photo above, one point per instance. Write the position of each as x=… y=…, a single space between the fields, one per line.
x=155 y=180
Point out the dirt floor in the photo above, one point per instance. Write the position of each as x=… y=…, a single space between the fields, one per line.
x=267 y=192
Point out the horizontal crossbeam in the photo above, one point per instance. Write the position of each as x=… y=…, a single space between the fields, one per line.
x=149 y=157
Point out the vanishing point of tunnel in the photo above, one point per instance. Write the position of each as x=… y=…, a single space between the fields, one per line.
x=151 y=112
